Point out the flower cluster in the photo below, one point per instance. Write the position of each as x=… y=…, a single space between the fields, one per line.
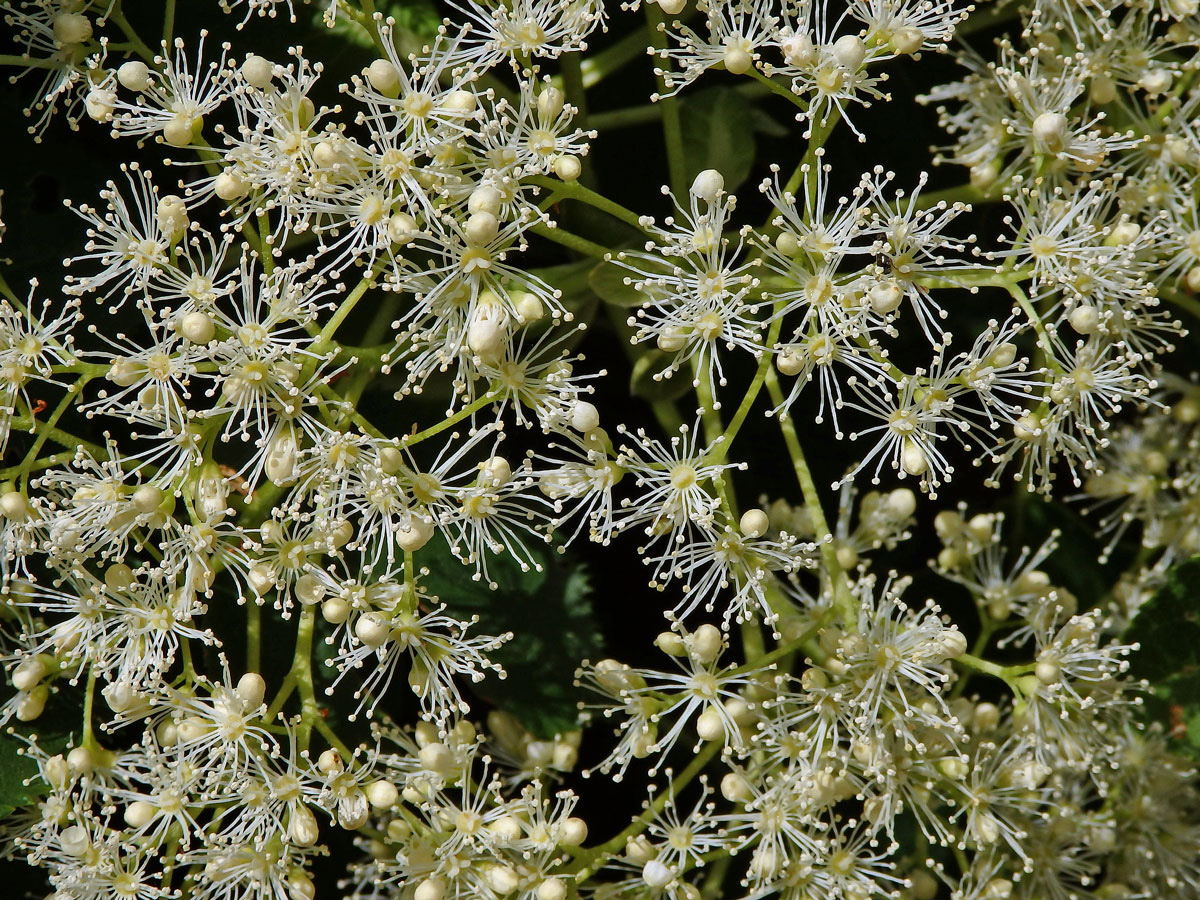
x=306 y=364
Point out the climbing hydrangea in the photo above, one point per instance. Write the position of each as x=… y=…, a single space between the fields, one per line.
x=316 y=345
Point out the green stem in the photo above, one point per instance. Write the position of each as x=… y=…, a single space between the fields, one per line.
x=576 y=191
x=616 y=56
x=89 y=738
x=139 y=46
x=302 y=670
x=253 y=637
x=27 y=62
x=671 y=123
x=325 y=339
x=839 y=586
x=169 y=22
x=572 y=241
x=44 y=428
x=469 y=410
x=777 y=88
x=629 y=117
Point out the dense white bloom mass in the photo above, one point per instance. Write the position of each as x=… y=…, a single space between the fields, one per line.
x=309 y=384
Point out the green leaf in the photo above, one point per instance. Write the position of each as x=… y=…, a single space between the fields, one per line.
x=765 y=123
x=574 y=280
x=550 y=616
x=718 y=133
x=608 y=282
x=15 y=769
x=642 y=382
x=1167 y=630
x=416 y=23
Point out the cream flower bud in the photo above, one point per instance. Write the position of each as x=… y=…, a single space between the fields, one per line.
x=402 y=229
x=252 y=689
x=384 y=77
x=14 y=506
x=134 y=75
x=639 y=850
x=261 y=578
x=850 y=51
x=258 y=71
x=913 y=459
x=572 y=832
x=550 y=103
x=302 y=826
x=330 y=762
x=551 y=889
x=335 y=610
x=309 y=590
x=415 y=535
x=671 y=643
x=1155 y=81
x=885 y=297
x=754 y=523
x=708 y=185
x=735 y=788
x=372 y=630
x=229 y=186
x=495 y=472
x=32 y=703
x=488 y=331
x=1102 y=90
x=656 y=874
x=139 y=814
x=481 y=228
x=300 y=885
x=671 y=340
x=1004 y=355
x=28 y=673
x=901 y=503
x=789 y=362
x=529 y=307
x=147 y=498
x=1051 y=130
x=568 y=167
x=506 y=828
x=706 y=644
x=56 y=772
x=72 y=28
x=430 y=889
x=672 y=7
x=100 y=103
x=584 y=416
x=485 y=199
x=80 y=760
x=438 y=758
x=197 y=327
x=737 y=56
x=907 y=40
x=283 y=450
x=983 y=175
x=180 y=131
x=710 y=726
x=460 y=102
x=1085 y=319
x=74 y=840
x=382 y=794
x=798 y=50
